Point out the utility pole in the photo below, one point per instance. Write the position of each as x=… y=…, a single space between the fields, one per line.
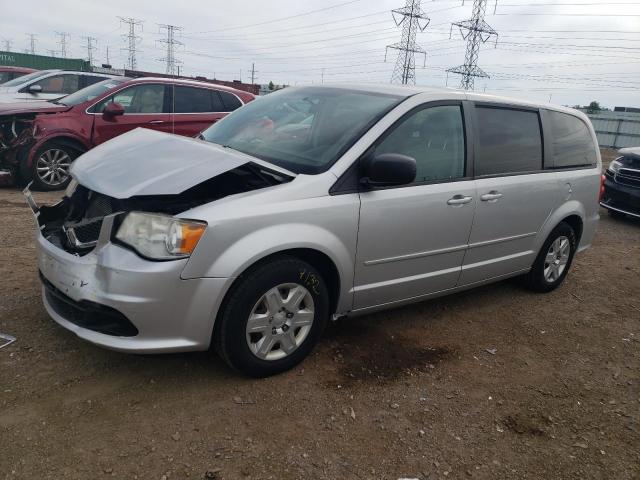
x=32 y=43
x=412 y=18
x=322 y=76
x=170 y=42
x=475 y=31
x=253 y=73
x=91 y=46
x=7 y=44
x=63 y=43
x=132 y=40
x=108 y=55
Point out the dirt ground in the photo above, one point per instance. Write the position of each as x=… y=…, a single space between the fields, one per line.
x=493 y=383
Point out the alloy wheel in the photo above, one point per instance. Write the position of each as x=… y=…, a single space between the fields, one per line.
x=556 y=260
x=52 y=167
x=280 y=321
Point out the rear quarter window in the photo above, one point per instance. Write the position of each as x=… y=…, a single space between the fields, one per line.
x=230 y=101
x=508 y=141
x=571 y=141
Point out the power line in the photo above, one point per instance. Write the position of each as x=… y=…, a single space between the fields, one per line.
x=90 y=46
x=474 y=31
x=412 y=18
x=32 y=43
x=173 y=64
x=63 y=36
x=132 y=40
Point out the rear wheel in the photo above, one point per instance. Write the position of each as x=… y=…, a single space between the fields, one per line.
x=51 y=164
x=272 y=317
x=554 y=260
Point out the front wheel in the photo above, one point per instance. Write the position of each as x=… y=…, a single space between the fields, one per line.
x=272 y=317
x=51 y=164
x=554 y=260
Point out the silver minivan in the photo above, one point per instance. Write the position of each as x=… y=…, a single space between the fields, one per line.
x=311 y=204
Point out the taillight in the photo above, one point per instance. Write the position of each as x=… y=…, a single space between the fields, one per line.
x=601 y=196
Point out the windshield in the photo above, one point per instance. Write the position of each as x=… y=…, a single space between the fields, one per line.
x=305 y=129
x=26 y=78
x=90 y=92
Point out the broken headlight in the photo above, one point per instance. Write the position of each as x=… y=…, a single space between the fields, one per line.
x=160 y=237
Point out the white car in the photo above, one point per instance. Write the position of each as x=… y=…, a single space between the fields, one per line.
x=47 y=85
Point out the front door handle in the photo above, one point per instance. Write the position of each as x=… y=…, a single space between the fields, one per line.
x=155 y=122
x=492 y=196
x=459 y=200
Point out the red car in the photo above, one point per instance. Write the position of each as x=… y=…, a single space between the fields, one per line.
x=42 y=146
x=9 y=73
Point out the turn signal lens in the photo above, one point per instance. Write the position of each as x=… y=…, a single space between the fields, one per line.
x=601 y=196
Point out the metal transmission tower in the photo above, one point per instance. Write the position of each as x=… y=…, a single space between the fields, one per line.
x=90 y=46
x=132 y=40
x=253 y=73
x=7 y=45
x=475 y=32
x=32 y=43
x=173 y=64
x=412 y=18
x=63 y=43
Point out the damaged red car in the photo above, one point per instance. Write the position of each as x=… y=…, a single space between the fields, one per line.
x=39 y=141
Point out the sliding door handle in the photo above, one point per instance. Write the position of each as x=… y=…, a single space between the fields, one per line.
x=459 y=200
x=492 y=196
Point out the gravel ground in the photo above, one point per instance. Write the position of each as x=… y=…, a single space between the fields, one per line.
x=496 y=382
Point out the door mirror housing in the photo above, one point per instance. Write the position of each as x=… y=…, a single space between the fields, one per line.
x=35 y=88
x=388 y=170
x=113 y=109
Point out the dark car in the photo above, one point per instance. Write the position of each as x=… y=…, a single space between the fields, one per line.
x=42 y=139
x=9 y=73
x=621 y=194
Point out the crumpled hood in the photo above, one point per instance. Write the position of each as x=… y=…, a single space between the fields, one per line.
x=31 y=107
x=147 y=162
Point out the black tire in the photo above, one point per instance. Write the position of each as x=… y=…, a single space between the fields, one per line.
x=535 y=279
x=230 y=337
x=30 y=173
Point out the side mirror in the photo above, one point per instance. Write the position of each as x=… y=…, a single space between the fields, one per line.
x=113 y=109
x=35 y=89
x=387 y=170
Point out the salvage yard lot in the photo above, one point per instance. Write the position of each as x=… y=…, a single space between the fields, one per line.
x=497 y=382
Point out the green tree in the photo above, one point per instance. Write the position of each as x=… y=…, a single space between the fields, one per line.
x=594 y=107
x=271 y=85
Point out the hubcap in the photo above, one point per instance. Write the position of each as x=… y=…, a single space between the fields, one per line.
x=52 y=166
x=556 y=260
x=280 y=321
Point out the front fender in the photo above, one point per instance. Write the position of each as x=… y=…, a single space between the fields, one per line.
x=253 y=247
x=64 y=128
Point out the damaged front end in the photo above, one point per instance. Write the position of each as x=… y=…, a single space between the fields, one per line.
x=16 y=137
x=77 y=222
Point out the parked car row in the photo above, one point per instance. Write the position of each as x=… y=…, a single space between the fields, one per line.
x=40 y=140
x=312 y=203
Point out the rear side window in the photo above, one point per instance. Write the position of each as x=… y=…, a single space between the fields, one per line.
x=192 y=100
x=230 y=101
x=571 y=142
x=508 y=141
x=88 y=80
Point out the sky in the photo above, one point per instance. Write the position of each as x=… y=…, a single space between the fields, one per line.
x=567 y=52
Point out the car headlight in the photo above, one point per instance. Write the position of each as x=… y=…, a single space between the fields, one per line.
x=160 y=237
x=614 y=166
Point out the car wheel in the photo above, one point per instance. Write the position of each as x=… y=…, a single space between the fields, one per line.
x=272 y=317
x=51 y=164
x=554 y=260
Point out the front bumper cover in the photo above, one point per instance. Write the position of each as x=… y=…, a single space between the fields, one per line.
x=169 y=313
